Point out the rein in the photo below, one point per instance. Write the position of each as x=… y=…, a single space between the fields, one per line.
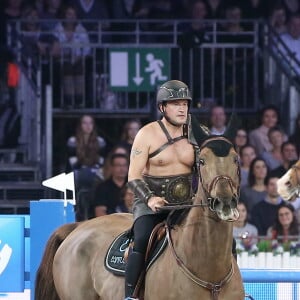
x=214 y=288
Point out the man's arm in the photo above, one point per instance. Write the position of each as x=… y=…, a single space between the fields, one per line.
x=138 y=161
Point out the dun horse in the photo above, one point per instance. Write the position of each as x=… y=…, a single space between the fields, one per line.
x=289 y=184
x=198 y=261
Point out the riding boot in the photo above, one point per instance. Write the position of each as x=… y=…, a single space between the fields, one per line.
x=234 y=253
x=134 y=267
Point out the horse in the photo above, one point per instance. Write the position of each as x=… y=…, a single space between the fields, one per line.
x=288 y=186
x=197 y=262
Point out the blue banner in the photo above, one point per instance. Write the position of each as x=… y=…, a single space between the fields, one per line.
x=12 y=254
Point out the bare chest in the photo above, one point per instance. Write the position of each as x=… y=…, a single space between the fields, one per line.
x=176 y=154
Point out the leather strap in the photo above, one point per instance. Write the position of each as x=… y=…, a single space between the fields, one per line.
x=169 y=142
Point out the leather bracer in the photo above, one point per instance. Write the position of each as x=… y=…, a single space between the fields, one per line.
x=140 y=189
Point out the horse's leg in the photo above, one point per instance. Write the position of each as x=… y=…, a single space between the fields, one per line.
x=44 y=284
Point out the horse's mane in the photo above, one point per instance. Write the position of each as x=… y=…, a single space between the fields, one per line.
x=220 y=148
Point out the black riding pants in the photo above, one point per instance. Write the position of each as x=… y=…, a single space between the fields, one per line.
x=142 y=229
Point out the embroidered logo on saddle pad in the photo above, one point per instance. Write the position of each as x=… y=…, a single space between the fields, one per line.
x=114 y=259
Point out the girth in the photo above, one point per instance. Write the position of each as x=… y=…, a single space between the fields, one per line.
x=175 y=189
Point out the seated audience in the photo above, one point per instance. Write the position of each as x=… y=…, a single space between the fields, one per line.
x=50 y=14
x=255 y=191
x=286 y=225
x=72 y=49
x=107 y=165
x=289 y=157
x=217 y=120
x=130 y=129
x=127 y=198
x=108 y=193
x=244 y=230
x=258 y=137
x=278 y=19
x=35 y=42
x=195 y=33
x=291 y=39
x=264 y=213
x=273 y=158
x=85 y=153
x=241 y=139
x=247 y=154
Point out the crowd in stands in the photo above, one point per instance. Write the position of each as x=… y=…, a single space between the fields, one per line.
x=266 y=152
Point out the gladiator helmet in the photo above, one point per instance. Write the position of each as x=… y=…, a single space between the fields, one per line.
x=173 y=90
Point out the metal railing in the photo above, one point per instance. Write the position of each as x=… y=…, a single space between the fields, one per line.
x=224 y=69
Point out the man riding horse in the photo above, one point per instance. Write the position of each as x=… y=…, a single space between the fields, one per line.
x=160 y=171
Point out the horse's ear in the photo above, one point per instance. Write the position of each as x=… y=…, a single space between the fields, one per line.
x=199 y=133
x=232 y=127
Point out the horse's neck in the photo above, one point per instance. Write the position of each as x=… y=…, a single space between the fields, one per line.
x=204 y=240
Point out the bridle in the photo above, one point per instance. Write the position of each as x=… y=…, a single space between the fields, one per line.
x=213 y=287
x=212 y=202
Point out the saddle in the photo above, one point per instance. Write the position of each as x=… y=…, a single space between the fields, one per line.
x=116 y=256
x=117 y=253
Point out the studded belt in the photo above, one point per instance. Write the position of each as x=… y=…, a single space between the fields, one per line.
x=175 y=189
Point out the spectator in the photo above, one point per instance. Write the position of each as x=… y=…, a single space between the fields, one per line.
x=295 y=136
x=108 y=193
x=50 y=13
x=264 y=212
x=290 y=6
x=286 y=225
x=258 y=137
x=278 y=18
x=244 y=230
x=118 y=149
x=85 y=151
x=215 y=9
x=273 y=158
x=127 y=198
x=289 y=157
x=35 y=43
x=247 y=154
x=292 y=40
x=255 y=191
x=241 y=139
x=73 y=47
x=12 y=12
x=195 y=32
x=91 y=15
x=130 y=129
x=217 y=120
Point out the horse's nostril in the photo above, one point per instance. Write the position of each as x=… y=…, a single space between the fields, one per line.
x=288 y=184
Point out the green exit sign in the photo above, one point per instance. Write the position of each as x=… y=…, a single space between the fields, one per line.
x=136 y=69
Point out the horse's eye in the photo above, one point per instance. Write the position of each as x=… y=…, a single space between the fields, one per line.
x=236 y=159
x=201 y=161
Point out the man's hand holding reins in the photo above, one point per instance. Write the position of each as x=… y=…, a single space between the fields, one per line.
x=155 y=203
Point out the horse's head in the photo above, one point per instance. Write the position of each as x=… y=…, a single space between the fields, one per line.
x=219 y=170
x=288 y=185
